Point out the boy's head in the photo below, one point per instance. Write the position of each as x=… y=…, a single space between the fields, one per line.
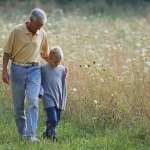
x=55 y=56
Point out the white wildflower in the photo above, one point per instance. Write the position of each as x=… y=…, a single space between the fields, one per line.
x=115 y=47
x=146 y=70
x=100 y=50
x=126 y=72
x=119 y=46
x=84 y=18
x=106 y=31
x=147 y=63
x=92 y=74
x=74 y=57
x=49 y=24
x=94 y=118
x=148 y=47
x=128 y=60
x=53 y=31
x=95 y=102
x=125 y=67
x=86 y=66
x=96 y=37
x=49 y=32
x=144 y=50
x=107 y=46
x=102 y=80
x=138 y=44
x=3 y=37
x=91 y=51
x=74 y=89
x=98 y=64
x=129 y=38
x=144 y=38
x=137 y=52
x=143 y=54
x=109 y=77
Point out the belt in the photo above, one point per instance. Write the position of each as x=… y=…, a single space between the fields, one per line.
x=24 y=65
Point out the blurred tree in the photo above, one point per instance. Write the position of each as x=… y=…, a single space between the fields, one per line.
x=123 y=2
x=78 y=2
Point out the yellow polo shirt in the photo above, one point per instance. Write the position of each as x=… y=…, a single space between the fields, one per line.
x=23 y=47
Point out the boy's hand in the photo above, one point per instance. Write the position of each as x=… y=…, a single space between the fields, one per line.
x=66 y=70
x=40 y=96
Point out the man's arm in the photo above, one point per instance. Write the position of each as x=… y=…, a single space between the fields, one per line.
x=46 y=59
x=5 y=74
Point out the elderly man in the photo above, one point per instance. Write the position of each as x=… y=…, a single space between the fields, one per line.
x=26 y=44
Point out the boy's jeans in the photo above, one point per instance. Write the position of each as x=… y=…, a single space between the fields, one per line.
x=25 y=82
x=53 y=117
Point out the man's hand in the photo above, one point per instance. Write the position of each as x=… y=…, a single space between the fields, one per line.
x=5 y=74
x=5 y=77
x=46 y=59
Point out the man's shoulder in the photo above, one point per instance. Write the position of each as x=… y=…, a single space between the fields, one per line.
x=42 y=31
x=17 y=27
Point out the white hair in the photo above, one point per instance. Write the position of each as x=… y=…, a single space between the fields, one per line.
x=38 y=14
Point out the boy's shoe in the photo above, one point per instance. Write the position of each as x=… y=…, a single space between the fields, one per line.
x=45 y=136
x=54 y=138
x=51 y=137
x=33 y=139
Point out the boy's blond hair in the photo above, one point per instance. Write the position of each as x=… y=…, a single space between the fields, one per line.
x=56 y=53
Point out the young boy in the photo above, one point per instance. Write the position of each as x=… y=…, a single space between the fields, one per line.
x=53 y=90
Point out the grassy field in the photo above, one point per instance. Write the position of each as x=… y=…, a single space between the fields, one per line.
x=108 y=102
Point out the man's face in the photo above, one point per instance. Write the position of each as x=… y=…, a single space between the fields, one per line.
x=35 y=25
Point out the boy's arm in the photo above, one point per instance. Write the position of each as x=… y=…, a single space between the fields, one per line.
x=64 y=90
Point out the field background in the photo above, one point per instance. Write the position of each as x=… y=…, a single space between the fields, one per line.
x=106 y=47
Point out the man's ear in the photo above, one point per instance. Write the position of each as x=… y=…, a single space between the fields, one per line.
x=31 y=19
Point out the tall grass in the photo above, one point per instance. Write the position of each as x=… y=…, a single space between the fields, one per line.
x=108 y=82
